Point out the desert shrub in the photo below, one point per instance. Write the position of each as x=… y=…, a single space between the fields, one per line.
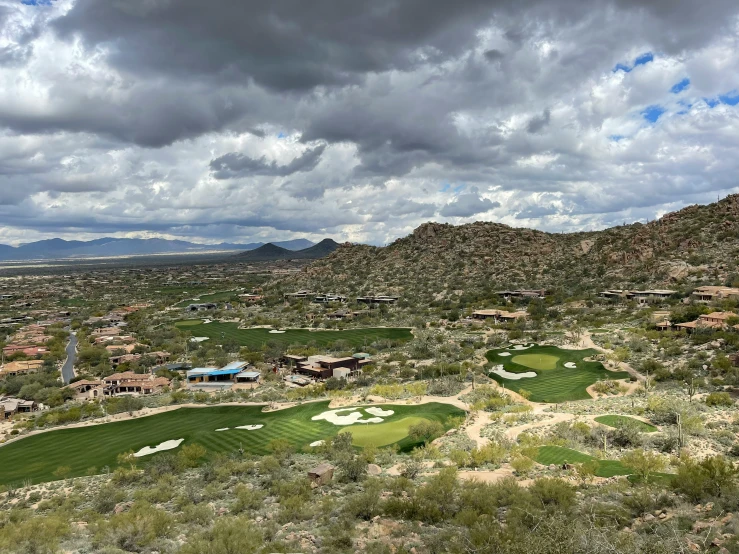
x=722 y=399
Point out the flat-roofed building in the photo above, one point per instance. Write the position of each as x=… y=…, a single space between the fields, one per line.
x=498 y=315
x=709 y=293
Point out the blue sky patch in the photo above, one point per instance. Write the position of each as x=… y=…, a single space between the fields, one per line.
x=36 y=2
x=616 y=138
x=281 y=135
x=711 y=102
x=730 y=99
x=681 y=86
x=445 y=187
x=644 y=59
x=621 y=67
x=653 y=113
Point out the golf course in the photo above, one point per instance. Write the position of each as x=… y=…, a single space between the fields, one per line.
x=256 y=338
x=220 y=429
x=549 y=373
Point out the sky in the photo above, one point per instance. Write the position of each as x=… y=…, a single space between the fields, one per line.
x=233 y=120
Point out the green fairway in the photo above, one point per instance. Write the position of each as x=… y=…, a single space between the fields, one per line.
x=617 y=420
x=536 y=361
x=559 y=455
x=256 y=338
x=189 y=323
x=554 y=382
x=94 y=448
x=382 y=434
x=222 y=296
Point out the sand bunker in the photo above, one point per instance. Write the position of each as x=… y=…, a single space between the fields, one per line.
x=504 y=353
x=250 y=427
x=166 y=445
x=513 y=376
x=276 y=332
x=519 y=347
x=570 y=365
x=222 y=429
x=333 y=416
x=317 y=443
x=379 y=412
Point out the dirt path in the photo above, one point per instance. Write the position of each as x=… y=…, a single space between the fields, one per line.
x=513 y=432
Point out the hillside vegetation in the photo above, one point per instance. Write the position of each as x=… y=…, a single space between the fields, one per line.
x=694 y=244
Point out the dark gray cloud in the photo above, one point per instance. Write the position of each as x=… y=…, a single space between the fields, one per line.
x=283 y=44
x=234 y=164
x=537 y=123
x=468 y=204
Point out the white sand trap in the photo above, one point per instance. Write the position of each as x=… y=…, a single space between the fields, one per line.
x=332 y=416
x=276 y=332
x=250 y=427
x=379 y=412
x=513 y=376
x=570 y=365
x=166 y=445
x=504 y=353
x=222 y=429
x=519 y=347
x=317 y=443
x=199 y=339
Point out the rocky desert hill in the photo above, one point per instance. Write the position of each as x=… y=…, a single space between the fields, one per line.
x=695 y=244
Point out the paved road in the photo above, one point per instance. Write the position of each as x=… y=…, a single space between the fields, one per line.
x=68 y=367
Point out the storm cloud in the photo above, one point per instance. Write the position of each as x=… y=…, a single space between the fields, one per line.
x=229 y=120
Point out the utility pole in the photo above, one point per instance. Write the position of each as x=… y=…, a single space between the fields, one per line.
x=680 y=439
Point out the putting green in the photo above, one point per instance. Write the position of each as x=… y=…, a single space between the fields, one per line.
x=554 y=382
x=536 y=361
x=381 y=434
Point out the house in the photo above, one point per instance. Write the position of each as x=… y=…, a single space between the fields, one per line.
x=523 y=293
x=248 y=377
x=381 y=299
x=330 y=297
x=300 y=295
x=26 y=349
x=652 y=295
x=201 y=307
x=11 y=369
x=106 y=332
x=663 y=325
x=321 y=474
x=10 y=406
x=250 y=298
x=130 y=382
x=125 y=348
x=115 y=361
x=323 y=367
x=498 y=315
x=641 y=296
x=226 y=373
x=709 y=293
x=714 y=320
x=87 y=389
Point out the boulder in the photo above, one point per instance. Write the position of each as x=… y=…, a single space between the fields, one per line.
x=373 y=469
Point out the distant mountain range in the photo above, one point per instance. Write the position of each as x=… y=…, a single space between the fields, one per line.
x=109 y=246
x=273 y=251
